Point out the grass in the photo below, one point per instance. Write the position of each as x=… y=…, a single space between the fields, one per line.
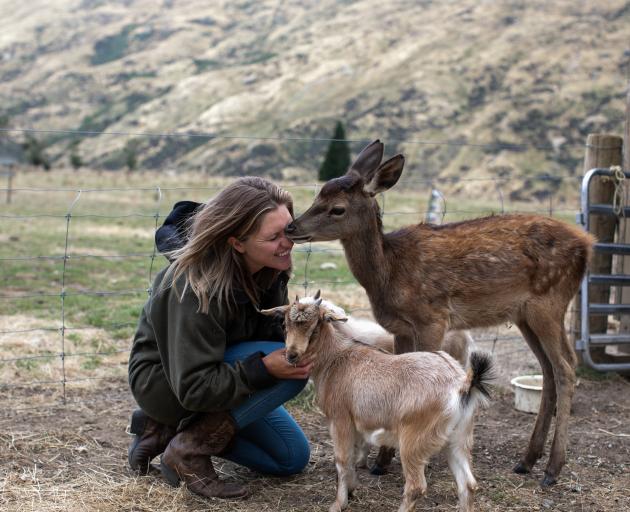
x=586 y=373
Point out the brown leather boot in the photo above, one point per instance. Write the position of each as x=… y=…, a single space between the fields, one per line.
x=150 y=439
x=187 y=457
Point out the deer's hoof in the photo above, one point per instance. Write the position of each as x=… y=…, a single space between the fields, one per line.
x=521 y=468
x=378 y=470
x=548 y=480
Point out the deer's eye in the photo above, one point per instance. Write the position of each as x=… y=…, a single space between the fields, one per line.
x=337 y=210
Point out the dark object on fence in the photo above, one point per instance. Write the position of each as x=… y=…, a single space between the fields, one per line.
x=173 y=233
x=337 y=159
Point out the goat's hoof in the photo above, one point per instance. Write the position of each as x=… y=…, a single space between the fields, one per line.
x=521 y=468
x=378 y=470
x=548 y=480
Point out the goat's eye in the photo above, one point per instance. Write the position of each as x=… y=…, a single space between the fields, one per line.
x=337 y=210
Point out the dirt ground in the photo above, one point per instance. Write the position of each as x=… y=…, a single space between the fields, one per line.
x=73 y=457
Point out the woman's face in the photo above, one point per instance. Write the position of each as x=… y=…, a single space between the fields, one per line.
x=268 y=247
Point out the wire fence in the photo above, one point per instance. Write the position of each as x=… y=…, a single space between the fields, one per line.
x=68 y=312
x=75 y=318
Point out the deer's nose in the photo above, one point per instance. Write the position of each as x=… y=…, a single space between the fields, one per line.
x=290 y=228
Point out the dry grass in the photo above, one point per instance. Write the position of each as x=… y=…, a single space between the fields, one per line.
x=73 y=457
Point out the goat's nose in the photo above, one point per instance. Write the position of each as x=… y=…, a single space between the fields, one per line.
x=292 y=357
x=290 y=228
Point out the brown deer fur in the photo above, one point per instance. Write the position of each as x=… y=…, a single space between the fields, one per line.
x=420 y=402
x=457 y=344
x=424 y=279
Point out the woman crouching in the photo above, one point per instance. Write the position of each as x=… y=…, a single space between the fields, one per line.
x=207 y=370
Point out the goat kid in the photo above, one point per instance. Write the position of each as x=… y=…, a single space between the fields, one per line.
x=423 y=280
x=420 y=402
x=458 y=344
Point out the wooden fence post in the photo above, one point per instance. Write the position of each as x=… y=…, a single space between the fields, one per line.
x=9 y=184
x=602 y=150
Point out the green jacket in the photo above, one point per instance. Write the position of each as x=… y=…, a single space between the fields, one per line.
x=189 y=345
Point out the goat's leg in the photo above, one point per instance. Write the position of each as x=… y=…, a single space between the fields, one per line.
x=459 y=455
x=343 y=436
x=550 y=332
x=413 y=460
x=547 y=403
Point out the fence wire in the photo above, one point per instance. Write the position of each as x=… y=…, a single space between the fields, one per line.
x=504 y=346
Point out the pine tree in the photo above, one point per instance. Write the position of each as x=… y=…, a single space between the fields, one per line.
x=35 y=154
x=131 y=155
x=337 y=158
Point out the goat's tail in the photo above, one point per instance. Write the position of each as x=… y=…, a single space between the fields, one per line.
x=480 y=376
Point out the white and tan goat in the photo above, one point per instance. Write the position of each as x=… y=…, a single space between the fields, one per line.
x=420 y=402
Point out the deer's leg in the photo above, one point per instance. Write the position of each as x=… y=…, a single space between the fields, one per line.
x=419 y=337
x=343 y=436
x=383 y=460
x=550 y=332
x=404 y=343
x=547 y=403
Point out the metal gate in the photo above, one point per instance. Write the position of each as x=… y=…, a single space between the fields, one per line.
x=588 y=309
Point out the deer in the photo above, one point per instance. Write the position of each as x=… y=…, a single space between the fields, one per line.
x=424 y=279
x=357 y=389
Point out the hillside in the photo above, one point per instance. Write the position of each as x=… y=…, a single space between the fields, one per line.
x=513 y=86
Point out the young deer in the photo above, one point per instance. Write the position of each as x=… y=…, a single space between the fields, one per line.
x=360 y=391
x=424 y=279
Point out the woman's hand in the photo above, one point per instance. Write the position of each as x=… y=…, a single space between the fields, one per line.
x=278 y=366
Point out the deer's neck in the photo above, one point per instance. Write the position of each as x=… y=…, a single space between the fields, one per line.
x=365 y=252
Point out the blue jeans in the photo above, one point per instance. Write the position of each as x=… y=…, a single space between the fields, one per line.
x=268 y=439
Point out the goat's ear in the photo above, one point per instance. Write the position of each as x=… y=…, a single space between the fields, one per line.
x=368 y=160
x=331 y=316
x=317 y=295
x=277 y=312
x=386 y=176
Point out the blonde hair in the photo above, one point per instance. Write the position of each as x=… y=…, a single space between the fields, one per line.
x=212 y=268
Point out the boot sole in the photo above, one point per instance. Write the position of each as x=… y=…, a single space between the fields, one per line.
x=169 y=474
x=172 y=477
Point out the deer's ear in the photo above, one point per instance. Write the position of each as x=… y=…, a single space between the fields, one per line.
x=386 y=176
x=368 y=159
x=275 y=312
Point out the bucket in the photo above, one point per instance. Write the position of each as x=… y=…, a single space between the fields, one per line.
x=527 y=392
